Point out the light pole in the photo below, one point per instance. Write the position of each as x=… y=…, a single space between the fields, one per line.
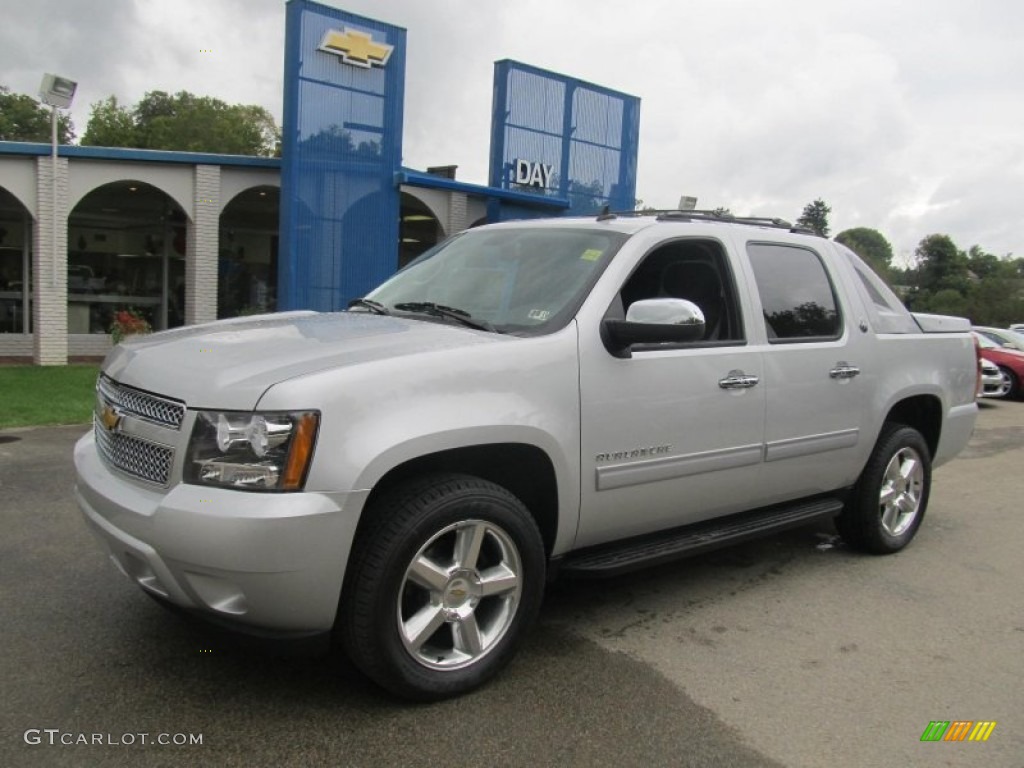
x=57 y=92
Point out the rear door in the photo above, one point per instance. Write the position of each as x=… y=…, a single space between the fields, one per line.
x=816 y=372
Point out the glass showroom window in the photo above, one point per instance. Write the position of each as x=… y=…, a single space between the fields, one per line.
x=126 y=251
x=15 y=267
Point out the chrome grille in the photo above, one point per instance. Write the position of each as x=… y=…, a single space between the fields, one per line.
x=159 y=410
x=142 y=458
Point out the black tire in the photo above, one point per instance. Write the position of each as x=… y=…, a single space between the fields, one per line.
x=889 y=500
x=1013 y=391
x=386 y=608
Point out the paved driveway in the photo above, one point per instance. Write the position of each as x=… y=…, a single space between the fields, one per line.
x=789 y=651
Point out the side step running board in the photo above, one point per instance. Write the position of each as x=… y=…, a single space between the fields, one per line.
x=643 y=551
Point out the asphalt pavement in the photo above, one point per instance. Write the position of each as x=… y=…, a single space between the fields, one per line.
x=790 y=651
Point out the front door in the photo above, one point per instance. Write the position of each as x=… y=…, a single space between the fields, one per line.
x=672 y=434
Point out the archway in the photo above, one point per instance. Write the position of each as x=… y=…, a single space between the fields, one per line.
x=15 y=265
x=419 y=229
x=247 y=263
x=126 y=250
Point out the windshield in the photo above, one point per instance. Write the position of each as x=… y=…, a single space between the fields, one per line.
x=517 y=280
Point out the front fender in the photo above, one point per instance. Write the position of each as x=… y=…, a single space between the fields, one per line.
x=378 y=416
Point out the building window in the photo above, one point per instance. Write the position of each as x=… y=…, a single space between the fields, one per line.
x=126 y=250
x=247 y=257
x=15 y=266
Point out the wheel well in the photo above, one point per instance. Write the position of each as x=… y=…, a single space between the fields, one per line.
x=524 y=470
x=923 y=413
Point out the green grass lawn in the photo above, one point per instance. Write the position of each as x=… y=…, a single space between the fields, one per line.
x=33 y=395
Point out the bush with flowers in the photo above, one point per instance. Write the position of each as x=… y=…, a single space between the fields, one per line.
x=128 y=322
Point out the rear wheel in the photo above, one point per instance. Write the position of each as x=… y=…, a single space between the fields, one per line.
x=890 y=498
x=441 y=586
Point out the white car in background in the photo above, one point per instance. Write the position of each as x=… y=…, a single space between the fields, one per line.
x=993 y=384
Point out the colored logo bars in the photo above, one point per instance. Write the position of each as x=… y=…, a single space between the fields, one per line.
x=958 y=730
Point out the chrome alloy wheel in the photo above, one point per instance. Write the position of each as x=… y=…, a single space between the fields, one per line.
x=1005 y=384
x=901 y=492
x=459 y=595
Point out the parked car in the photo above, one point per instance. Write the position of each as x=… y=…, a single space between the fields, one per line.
x=1003 y=337
x=1009 y=361
x=993 y=383
x=1019 y=327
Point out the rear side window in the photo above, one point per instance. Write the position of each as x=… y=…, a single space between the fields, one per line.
x=887 y=312
x=797 y=297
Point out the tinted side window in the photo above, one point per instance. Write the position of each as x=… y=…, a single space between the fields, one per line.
x=796 y=293
x=695 y=270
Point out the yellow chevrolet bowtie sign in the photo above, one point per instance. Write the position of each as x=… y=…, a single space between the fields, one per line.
x=356 y=48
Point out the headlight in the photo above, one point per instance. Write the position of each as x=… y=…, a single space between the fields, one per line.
x=251 y=451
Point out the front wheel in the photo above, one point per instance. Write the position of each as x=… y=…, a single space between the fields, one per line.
x=889 y=500
x=442 y=584
x=1009 y=386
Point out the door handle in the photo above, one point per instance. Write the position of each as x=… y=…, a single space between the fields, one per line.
x=844 y=370
x=738 y=380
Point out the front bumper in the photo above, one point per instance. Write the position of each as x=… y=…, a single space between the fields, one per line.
x=267 y=562
x=991 y=385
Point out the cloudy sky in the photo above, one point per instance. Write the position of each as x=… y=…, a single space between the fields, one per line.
x=907 y=117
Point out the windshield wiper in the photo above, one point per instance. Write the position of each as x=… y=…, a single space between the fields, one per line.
x=440 y=310
x=374 y=306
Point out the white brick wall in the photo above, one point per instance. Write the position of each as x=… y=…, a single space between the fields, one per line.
x=50 y=273
x=89 y=344
x=458 y=219
x=201 y=254
x=15 y=345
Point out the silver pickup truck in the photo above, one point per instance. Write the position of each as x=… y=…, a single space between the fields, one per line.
x=583 y=396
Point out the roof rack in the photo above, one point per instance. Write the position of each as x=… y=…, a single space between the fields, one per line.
x=680 y=215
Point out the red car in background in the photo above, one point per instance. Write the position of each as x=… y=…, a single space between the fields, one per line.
x=1010 y=362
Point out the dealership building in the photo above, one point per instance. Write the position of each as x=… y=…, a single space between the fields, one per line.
x=185 y=238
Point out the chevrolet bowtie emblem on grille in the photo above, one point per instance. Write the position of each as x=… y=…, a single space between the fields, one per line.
x=110 y=418
x=356 y=48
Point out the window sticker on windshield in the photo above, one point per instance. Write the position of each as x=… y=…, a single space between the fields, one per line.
x=591 y=254
x=539 y=314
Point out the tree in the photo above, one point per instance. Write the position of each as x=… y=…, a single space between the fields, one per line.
x=110 y=125
x=984 y=265
x=815 y=217
x=871 y=246
x=996 y=301
x=184 y=122
x=22 y=118
x=946 y=302
x=941 y=265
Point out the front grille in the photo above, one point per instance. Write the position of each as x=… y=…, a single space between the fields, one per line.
x=142 y=458
x=159 y=410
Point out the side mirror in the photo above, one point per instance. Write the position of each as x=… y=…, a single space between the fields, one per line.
x=653 y=321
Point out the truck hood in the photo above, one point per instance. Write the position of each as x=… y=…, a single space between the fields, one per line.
x=229 y=364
